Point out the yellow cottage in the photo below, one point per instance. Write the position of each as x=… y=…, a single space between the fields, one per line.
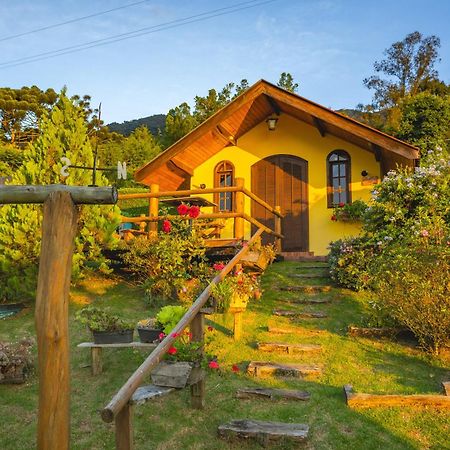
x=291 y=153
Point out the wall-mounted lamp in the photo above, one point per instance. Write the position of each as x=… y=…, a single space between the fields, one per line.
x=203 y=186
x=272 y=123
x=364 y=173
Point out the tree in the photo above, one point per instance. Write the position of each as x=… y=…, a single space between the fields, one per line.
x=409 y=64
x=20 y=111
x=425 y=122
x=179 y=122
x=63 y=133
x=286 y=81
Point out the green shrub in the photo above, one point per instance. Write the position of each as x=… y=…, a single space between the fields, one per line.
x=169 y=316
x=97 y=319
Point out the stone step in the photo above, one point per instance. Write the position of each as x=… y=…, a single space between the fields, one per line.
x=306 y=289
x=263 y=432
x=301 y=314
x=144 y=394
x=272 y=394
x=313 y=266
x=289 y=330
x=262 y=369
x=309 y=275
x=305 y=300
x=288 y=348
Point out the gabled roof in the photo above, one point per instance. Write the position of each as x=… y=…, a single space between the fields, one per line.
x=170 y=168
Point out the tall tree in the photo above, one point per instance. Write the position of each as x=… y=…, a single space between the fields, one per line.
x=286 y=81
x=409 y=64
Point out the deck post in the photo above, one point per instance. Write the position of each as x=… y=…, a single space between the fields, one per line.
x=240 y=209
x=197 y=328
x=124 y=428
x=278 y=230
x=153 y=211
x=52 y=320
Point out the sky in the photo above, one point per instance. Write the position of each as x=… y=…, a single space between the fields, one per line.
x=329 y=46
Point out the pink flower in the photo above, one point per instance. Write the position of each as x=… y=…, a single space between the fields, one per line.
x=175 y=335
x=194 y=212
x=424 y=233
x=341 y=204
x=166 y=226
x=218 y=266
x=183 y=209
x=235 y=368
x=333 y=218
x=172 y=351
x=162 y=335
x=213 y=365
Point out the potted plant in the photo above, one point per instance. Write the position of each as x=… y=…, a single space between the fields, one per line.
x=106 y=328
x=149 y=330
x=15 y=361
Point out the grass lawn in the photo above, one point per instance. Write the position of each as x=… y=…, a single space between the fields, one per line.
x=373 y=366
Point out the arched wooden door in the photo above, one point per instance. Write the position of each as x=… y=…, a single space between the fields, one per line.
x=283 y=180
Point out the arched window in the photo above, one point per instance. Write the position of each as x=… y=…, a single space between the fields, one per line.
x=224 y=177
x=338 y=174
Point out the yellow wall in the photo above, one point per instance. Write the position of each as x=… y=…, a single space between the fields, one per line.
x=294 y=137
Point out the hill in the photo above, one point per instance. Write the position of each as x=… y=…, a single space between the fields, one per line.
x=153 y=123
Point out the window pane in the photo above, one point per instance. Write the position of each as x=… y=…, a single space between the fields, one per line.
x=343 y=198
x=342 y=170
x=333 y=157
x=335 y=170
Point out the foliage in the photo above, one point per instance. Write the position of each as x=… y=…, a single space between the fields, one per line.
x=425 y=122
x=169 y=316
x=11 y=158
x=412 y=283
x=349 y=260
x=154 y=123
x=97 y=319
x=286 y=81
x=15 y=359
x=408 y=65
x=350 y=211
x=63 y=133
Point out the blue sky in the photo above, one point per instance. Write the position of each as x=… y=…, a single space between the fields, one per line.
x=329 y=46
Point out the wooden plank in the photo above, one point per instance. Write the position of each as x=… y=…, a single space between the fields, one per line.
x=124 y=428
x=262 y=369
x=272 y=394
x=51 y=319
x=96 y=360
x=291 y=330
x=129 y=345
x=320 y=125
x=144 y=394
x=80 y=195
x=375 y=400
x=288 y=348
x=301 y=314
x=306 y=289
x=239 y=207
x=264 y=432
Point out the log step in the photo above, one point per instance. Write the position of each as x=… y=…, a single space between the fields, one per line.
x=309 y=275
x=288 y=348
x=303 y=331
x=264 y=432
x=376 y=400
x=301 y=314
x=261 y=369
x=313 y=266
x=306 y=289
x=144 y=394
x=272 y=394
x=305 y=301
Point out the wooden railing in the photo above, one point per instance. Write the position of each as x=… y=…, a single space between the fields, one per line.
x=239 y=215
x=119 y=408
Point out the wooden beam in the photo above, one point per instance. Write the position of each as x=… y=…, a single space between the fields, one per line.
x=273 y=104
x=320 y=125
x=183 y=166
x=52 y=320
x=81 y=195
x=376 y=149
x=226 y=134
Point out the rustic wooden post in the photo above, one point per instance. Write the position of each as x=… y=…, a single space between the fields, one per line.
x=124 y=428
x=96 y=360
x=237 y=326
x=153 y=210
x=277 y=230
x=52 y=312
x=240 y=209
x=142 y=225
x=197 y=328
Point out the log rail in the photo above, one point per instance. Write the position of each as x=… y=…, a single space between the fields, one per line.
x=119 y=409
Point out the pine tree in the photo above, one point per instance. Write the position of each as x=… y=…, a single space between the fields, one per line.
x=63 y=133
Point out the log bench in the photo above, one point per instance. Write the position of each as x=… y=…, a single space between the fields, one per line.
x=96 y=352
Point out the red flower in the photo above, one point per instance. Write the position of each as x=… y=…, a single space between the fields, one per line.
x=218 y=266
x=175 y=335
x=210 y=328
x=235 y=368
x=172 y=351
x=166 y=226
x=194 y=212
x=213 y=365
x=162 y=335
x=183 y=209
x=333 y=218
x=341 y=204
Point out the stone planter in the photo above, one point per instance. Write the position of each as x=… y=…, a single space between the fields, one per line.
x=177 y=374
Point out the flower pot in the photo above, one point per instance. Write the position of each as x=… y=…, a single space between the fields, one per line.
x=239 y=301
x=113 y=337
x=177 y=374
x=256 y=259
x=149 y=335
